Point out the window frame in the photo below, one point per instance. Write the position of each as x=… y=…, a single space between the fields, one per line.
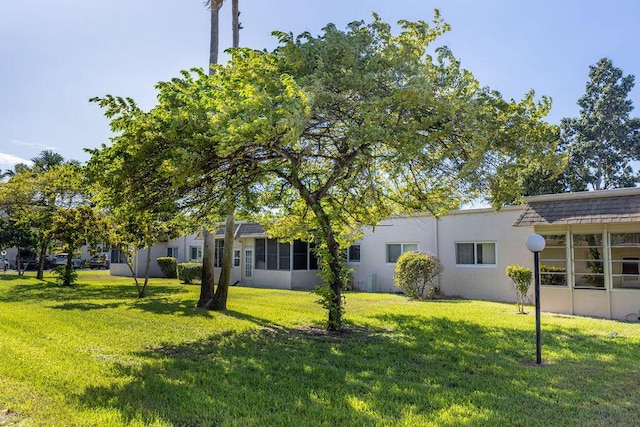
x=237 y=253
x=172 y=251
x=218 y=252
x=198 y=253
x=351 y=250
x=476 y=244
x=402 y=250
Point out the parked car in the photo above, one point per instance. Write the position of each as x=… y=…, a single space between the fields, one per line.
x=61 y=259
x=4 y=264
x=99 y=261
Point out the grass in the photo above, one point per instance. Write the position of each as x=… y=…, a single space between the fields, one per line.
x=93 y=354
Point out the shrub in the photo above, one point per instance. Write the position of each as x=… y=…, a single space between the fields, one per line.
x=189 y=271
x=169 y=267
x=65 y=276
x=415 y=273
x=521 y=278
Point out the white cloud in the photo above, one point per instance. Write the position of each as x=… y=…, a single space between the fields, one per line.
x=33 y=144
x=8 y=161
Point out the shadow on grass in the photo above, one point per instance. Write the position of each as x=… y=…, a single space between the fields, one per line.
x=10 y=276
x=162 y=299
x=414 y=371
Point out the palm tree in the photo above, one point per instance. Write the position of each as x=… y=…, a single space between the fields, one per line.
x=208 y=299
x=215 y=6
x=208 y=253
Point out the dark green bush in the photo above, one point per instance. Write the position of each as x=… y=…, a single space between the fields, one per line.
x=169 y=267
x=189 y=271
x=416 y=272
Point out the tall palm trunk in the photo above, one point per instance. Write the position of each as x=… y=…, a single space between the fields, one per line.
x=215 y=6
x=208 y=253
x=220 y=298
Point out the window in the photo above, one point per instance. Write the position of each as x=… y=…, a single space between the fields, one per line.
x=272 y=255
x=236 y=258
x=300 y=255
x=553 y=261
x=394 y=250
x=172 y=252
x=118 y=256
x=313 y=259
x=353 y=253
x=218 y=252
x=588 y=264
x=476 y=253
x=625 y=260
x=195 y=253
x=284 y=256
x=261 y=254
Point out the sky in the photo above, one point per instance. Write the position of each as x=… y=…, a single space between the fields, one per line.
x=55 y=55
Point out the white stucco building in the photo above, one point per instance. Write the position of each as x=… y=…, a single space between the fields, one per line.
x=590 y=265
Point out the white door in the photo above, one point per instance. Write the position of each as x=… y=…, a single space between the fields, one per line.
x=248 y=266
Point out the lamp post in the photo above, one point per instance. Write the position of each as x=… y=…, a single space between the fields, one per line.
x=535 y=243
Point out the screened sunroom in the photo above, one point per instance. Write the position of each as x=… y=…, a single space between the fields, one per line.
x=591 y=261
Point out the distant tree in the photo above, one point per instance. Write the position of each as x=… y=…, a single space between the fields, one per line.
x=16 y=234
x=73 y=228
x=34 y=194
x=543 y=182
x=603 y=141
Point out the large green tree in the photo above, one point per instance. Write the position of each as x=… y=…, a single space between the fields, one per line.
x=604 y=140
x=339 y=131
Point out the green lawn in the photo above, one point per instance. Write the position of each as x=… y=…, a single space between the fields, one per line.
x=95 y=355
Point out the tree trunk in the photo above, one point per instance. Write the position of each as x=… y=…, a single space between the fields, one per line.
x=220 y=298
x=130 y=260
x=68 y=267
x=208 y=278
x=43 y=254
x=335 y=310
x=215 y=26
x=332 y=300
x=235 y=22
x=19 y=264
x=147 y=267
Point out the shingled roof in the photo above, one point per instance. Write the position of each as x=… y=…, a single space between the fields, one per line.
x=245 y=230
x=588 y=207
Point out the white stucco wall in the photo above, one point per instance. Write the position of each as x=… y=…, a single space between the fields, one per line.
x=373 y=267
x=486 y=282
x=305 y=279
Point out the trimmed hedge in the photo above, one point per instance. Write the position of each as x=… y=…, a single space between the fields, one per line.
x=189 y=271
x=169 y=267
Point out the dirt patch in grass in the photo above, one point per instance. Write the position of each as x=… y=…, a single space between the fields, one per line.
x=9 y=417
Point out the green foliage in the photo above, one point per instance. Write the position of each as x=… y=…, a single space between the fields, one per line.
x=604 y=140
x=168 y=266
x=189 y=271
x=107 y=359
x=65 y=275
x=415 y=273
x=521 y=278
x=331 y=133
x=33 y=196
